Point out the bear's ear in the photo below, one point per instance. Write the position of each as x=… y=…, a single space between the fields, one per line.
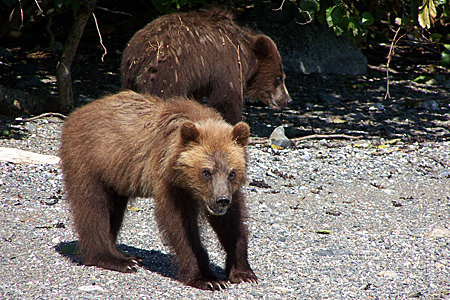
x=241 y=133
x=188 y=133
x=262 y=46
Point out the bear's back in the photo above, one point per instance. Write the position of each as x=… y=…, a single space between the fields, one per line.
x=180 y=54
x=126 y=136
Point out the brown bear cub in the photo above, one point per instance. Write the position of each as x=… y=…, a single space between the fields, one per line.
x=205 y=54
x=177 y=151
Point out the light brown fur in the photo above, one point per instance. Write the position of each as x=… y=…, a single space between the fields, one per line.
x=179 y=152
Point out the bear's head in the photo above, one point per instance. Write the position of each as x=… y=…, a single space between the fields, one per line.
x=267 y=83
x=213 y=162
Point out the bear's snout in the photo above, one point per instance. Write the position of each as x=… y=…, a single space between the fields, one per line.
x=220 y=206
x=223 y=201
x=280 y=98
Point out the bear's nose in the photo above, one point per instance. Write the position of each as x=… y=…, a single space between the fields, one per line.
x=223 y=201
x=289 y=100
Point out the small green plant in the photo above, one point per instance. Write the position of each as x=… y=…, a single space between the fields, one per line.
x=168 y=6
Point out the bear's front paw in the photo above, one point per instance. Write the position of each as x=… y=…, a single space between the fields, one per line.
x=209 y=284
x=238 y=276
x=121 y=264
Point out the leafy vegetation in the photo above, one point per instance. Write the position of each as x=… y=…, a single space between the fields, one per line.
x=360 y=20
x=424 y=22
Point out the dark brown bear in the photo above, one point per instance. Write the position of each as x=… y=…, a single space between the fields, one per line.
x=179 y=152
x=205 y=54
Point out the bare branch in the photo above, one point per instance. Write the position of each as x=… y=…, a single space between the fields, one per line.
x=40 y=9
x=390 y=55
x=306 y=12
x=326 y=136
x=51 y=114
x=21 y=15
x=100 y=36
x=300 y=12
x=279 y=8
x=113 y=11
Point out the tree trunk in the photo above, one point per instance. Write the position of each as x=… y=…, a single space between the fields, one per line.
x=63 y=70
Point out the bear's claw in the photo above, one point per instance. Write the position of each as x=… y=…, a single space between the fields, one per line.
x=209 y=284
x=243 y=276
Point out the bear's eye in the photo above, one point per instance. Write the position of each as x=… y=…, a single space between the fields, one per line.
x=279 y=80
x=232 y=175
x=206 y=173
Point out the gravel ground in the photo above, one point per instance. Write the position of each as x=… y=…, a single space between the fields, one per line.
x=330 y=219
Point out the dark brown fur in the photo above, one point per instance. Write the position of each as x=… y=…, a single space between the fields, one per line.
x=205 y=54
x=179 y=152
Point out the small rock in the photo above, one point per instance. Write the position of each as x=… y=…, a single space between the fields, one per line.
x=439 y=232
x=432 y=81
x=91 y=288
x=388 y=274
x=328 y=99
x=278 y=139
x=377 y=106
x=430 y=105
x=381 y=89
x=445 y=174
x=5 y=53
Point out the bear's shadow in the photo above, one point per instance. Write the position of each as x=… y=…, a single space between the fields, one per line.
x=152 y=260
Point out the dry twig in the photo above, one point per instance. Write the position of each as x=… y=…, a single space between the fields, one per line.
x=258 y=140
x=100 y=36
x=40 y=9
x=281 y=6
x=113 y=11
x=326 y=136
x=42 y=116
x=299 y=10
x=390 y=55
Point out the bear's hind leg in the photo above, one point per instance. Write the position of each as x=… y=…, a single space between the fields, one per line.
x=233 y=234
x=97 y=220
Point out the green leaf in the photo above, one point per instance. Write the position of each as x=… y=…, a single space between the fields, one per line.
x=367 y=19
x=352 y=25
x=436 y=37
x=427 y=12
x=334 y=15
x=420 y=79
x=328 y=16
x=446 y=11
x=445 y=57
x=58 y=5
x=310 y=5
